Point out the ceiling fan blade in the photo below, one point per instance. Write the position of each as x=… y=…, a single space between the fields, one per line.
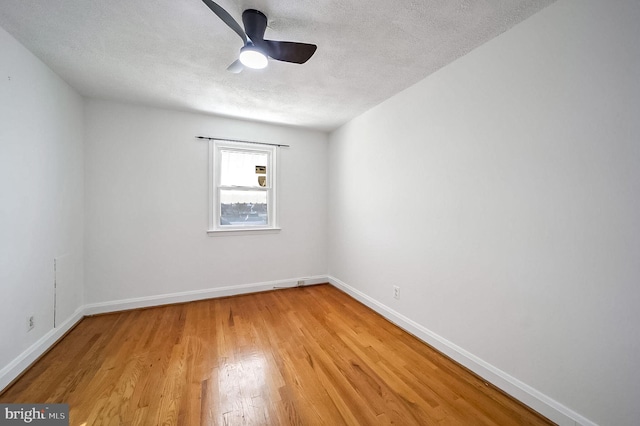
x=289 y=51
x=236 y=67
x=226 y=18
x=255 y=24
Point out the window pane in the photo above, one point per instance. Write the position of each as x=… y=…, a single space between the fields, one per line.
x=239 y=168
x=244 y=208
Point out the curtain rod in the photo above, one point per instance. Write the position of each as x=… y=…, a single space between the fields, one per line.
x=235 y=140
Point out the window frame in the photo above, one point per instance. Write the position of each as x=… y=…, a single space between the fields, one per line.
x=216 y=146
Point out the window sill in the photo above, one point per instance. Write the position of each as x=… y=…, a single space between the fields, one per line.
x=229 y=232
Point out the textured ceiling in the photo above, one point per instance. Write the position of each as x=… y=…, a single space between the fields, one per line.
x=174 y=53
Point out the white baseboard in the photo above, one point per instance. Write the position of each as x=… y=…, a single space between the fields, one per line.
x=535 y=399
x=190 y=296
x=16 y=367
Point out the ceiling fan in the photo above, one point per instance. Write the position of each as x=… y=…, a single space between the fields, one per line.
x=256 y=49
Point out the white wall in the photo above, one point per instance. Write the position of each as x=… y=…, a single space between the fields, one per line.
x=502 y=194
x=146 y=205
x=41 y=198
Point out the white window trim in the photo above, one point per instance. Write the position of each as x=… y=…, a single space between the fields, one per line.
x=215 y=229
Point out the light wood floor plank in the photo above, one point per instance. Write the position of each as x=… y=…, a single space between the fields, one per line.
x=301 y=356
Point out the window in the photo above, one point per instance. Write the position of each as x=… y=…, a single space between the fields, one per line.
x=243 y=187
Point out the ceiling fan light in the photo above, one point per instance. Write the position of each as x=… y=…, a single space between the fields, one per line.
x=252 y=57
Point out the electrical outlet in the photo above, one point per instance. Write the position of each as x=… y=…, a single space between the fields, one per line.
x=396 y=292
x=300 y=283
x=31 y=322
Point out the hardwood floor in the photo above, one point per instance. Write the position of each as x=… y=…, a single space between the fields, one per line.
x=302 y=356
